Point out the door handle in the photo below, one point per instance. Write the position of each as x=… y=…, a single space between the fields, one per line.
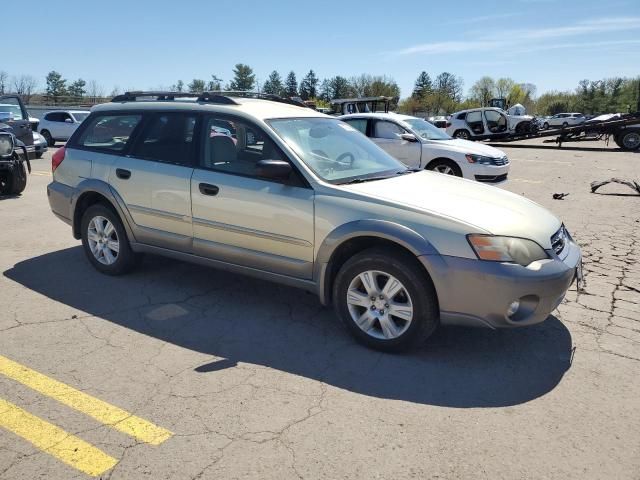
x=208 y=189
x=122 y=173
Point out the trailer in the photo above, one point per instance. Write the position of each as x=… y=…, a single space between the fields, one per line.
x=624 y=130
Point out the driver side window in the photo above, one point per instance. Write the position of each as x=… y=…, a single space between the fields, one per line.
x=388 y=130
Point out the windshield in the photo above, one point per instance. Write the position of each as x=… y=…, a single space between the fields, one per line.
x=335 y=151
x=80 y=116
x=11 y=112
x=425 y=129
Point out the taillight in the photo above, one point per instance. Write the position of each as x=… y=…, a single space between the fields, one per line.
x=57 y=159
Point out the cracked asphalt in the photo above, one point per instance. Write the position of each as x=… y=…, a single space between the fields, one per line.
x=257 y=380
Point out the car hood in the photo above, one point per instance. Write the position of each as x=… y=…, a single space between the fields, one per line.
x=488 y=208
x=465 y=146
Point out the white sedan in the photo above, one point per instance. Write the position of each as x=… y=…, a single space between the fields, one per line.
x=419 y=144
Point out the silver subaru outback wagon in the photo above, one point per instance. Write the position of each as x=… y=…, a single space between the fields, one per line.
x=262 y=187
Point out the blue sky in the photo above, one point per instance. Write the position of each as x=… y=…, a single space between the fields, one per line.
x=142 y=45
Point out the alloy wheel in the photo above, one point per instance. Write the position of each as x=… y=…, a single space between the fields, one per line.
x=631 y=141
x=443 y=168
x=103 y=240
x=379 y=304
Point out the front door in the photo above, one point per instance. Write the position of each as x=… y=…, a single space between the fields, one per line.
x=14 y=114
x=388 y=136
x=154 y=180
x=243 y=219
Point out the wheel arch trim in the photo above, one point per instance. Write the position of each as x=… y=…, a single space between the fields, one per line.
x=382 y=229
x=103 y=189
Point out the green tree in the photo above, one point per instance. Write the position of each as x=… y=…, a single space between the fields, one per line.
x=243 y=78
x=291 y=85
x=196 y=86
x=309 y=86
x=483 y=90
x=423 y=86
x=215 y=84
x=339 y=87
x=325 y=90
x=503 y=87
x=177 y=87
x=273 y=85
x=56 y=86
x=76 y=89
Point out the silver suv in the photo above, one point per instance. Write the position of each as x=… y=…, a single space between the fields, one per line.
x=256 y=185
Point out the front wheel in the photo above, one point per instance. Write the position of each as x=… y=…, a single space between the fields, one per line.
x=445 y=166
x=545 y=126
x=105 y=241
x=386 y=300
x=13 y=181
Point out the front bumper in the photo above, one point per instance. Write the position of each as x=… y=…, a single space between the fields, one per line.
x=492 y=174
x=478 y=293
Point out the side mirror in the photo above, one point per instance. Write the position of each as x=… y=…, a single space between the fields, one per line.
x=68 y=120
x=7 y=145
x=409 y=137
x=273 y=169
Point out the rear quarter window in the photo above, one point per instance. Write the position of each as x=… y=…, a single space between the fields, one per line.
x=108 y=132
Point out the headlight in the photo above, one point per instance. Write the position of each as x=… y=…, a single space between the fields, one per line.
x=481 y=159
x=506 y=249
x=6 y=145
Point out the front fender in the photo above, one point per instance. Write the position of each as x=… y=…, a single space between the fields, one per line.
x=383 y=229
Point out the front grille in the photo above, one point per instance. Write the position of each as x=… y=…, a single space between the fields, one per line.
x=500 y=161
x=559 y=240
x=491 y=178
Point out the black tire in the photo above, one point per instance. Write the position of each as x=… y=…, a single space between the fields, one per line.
x=404 y=267
x=39 y=155
x=462 y=134
x=545 y=125
x=442 y=163
x=14 y=181
x=565 y=125
x=47 y=136
x=125 y=258
x=628 y=139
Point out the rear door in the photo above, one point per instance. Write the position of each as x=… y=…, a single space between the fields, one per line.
x=154 y=179
x=14 y=113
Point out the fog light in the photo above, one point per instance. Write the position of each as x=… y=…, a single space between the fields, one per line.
x=513 y=308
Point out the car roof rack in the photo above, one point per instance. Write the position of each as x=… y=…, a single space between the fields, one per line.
x=220 y=97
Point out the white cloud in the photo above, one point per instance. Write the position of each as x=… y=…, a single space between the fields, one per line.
x=448 y=47
x=512 y=39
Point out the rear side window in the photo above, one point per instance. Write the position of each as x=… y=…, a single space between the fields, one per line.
x=167 y=137
x=359 y=124
x=109 y=132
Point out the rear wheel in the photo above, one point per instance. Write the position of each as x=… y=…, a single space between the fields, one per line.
x=463 y=134
x=565 y=125
x=47 y=136
x=446 y=166
x=629 y=140
x=385 y=300
x=545 y=125
x=105 y=241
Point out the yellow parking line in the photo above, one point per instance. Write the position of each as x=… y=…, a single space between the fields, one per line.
x=101 y=411
x=54 y=441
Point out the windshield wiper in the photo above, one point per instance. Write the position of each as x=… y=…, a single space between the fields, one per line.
x=371 y=179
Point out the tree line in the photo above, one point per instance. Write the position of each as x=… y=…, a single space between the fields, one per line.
x=439 y=95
